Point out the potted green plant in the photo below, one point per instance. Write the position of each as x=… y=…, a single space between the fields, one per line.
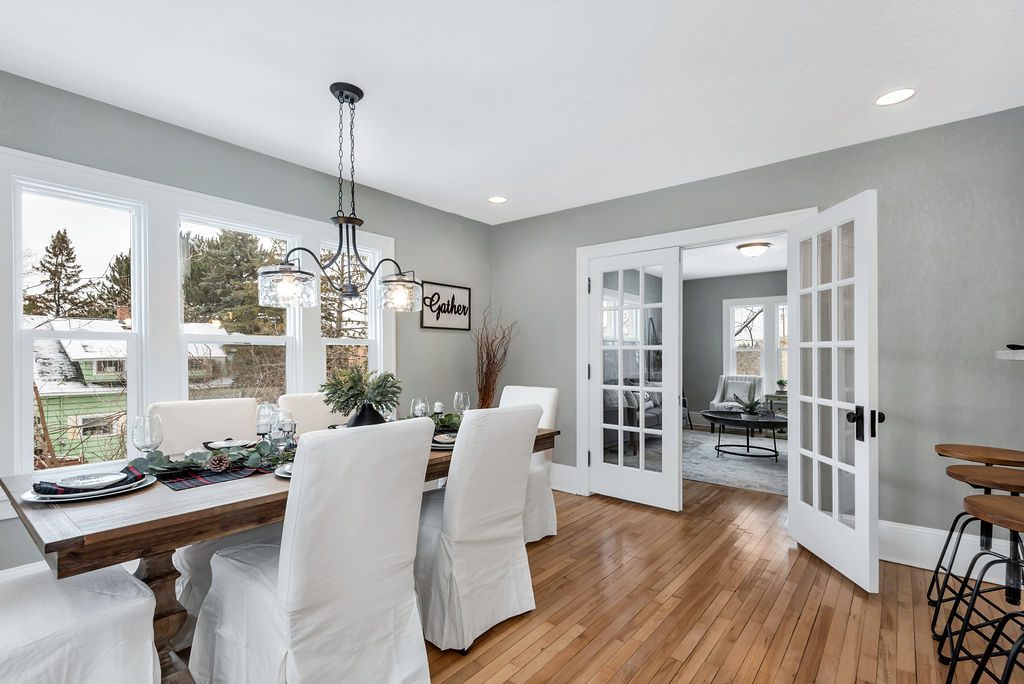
x=782 y=385
x=363 y=394
x=748 y=408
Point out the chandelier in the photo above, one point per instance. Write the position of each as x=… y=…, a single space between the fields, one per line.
x=287 y=284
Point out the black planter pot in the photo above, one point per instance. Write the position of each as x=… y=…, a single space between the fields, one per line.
x=366 y=416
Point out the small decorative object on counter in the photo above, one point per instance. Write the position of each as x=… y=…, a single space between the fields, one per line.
x=218 y=463
x=782 y=385
x=438 y=408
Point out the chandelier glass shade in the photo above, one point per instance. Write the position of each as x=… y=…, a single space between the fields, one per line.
x=287 y=284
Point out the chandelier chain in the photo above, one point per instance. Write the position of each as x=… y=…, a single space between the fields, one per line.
x=341 y=158
x=352 y=155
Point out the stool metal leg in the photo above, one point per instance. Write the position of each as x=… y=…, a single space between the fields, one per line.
x=933 y=585
x=990 y=651
x=948 y=633
x=956 y=654
x=944 y=586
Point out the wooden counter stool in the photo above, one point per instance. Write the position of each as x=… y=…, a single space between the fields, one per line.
x=988 y=479
x=988 y=457
x=980 y=615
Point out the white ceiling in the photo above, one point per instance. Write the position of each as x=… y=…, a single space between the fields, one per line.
x=553 y=104
x=715 y=261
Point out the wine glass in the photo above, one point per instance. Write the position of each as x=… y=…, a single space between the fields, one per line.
x=265 y=419
x=461 y=402
x=147 y=433
x=420 y=407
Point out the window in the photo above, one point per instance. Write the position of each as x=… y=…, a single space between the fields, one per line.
x=234 y=347
x=108 y=367
x=76 y=306
x=349 y=327
x=756 y=338
x=112 y=275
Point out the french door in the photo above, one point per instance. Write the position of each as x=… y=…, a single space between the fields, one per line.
x=833 y=368
x=634 y=368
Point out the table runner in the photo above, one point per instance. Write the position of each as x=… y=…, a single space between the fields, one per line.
x=201 y=478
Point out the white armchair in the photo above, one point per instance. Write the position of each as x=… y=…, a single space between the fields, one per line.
x=749 y=386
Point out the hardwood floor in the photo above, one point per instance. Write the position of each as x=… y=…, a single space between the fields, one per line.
x=718 y=593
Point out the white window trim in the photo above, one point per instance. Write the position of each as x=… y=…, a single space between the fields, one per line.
x=770 y=353
x=155 y=254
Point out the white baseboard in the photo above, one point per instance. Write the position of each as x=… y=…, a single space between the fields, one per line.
x=919 y=547
x=564 y=478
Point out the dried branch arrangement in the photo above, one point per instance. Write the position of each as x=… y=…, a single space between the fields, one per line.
x=492 y=341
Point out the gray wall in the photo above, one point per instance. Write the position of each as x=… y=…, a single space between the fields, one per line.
x=951 y=250
x=702 y=328
x=440 y=246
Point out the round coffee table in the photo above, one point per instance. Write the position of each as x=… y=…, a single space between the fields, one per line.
x=724 y=419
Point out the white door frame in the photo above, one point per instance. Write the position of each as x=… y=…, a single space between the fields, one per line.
x=689 y=238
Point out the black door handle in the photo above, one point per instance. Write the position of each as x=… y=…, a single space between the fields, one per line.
x=857 y=418
x=880 y=419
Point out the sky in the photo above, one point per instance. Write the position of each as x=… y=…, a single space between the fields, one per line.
x=98 y=233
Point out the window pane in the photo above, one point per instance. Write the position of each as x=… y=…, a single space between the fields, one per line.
x=218 y=269
x=218 y=371
x=77 y=260
x=340 y=356
x=344 y=318
x=79 y=414
x=783 y=343
x=748 y=338
x=825 y=257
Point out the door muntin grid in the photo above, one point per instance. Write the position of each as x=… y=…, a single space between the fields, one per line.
x=827 y=363
x=632 y=353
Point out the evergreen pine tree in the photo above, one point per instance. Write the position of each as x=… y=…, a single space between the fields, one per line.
x=64 y=293
x=115 y=290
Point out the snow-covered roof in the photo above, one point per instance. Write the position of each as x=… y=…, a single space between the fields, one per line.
x=55 y=367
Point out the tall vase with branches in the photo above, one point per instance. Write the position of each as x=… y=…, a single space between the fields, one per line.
x=492 y=340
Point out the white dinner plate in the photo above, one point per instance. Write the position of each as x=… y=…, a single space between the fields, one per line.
x=92 y=480
x=445 y=438
x=219 y=444
x=31 y=497
x=284 y=471
x=441 y=447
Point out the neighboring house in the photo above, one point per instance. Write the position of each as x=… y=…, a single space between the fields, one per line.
x=81 y=388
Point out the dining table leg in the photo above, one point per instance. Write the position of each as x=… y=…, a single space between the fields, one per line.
x=159 y=574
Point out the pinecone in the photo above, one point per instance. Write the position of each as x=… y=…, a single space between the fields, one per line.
x=218 y=463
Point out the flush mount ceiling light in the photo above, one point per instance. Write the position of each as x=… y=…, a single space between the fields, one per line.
x=288 y=285
x=753 y=249
x=497 y=199
x=895 y=97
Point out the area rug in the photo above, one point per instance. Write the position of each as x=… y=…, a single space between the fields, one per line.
x=701 y=463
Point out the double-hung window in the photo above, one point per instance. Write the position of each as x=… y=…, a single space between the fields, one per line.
x=349 y=328
x=755 y=335
x=233 y=346
x=77 y=347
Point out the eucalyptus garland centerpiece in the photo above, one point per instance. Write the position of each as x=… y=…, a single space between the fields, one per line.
x=262 y=456
x=362 y=394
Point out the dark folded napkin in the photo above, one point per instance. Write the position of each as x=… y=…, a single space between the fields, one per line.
x=134 y=475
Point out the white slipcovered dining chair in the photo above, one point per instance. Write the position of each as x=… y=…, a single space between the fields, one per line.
x=93 y=628
x=310 y=412
x=539 y=518
x=335 y=602
x=186 y=425
x=471 y=566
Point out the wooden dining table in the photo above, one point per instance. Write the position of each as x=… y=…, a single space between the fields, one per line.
x=149 y=524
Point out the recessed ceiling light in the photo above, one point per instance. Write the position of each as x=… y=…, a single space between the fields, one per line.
x=895 y=97
x=753 y=249
x=497 y=199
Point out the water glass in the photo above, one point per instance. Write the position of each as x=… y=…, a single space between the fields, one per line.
x=420 y=407
x=461 y=403
x=265 y=419
x=147 y=433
